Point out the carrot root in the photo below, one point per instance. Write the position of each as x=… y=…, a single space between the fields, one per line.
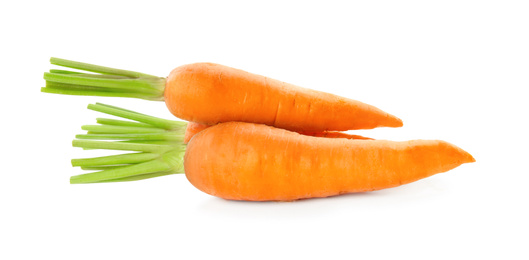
x=211 y=93
x=194 y=128
x=261 y=163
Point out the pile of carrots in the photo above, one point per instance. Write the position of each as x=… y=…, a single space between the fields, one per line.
x=249 y=137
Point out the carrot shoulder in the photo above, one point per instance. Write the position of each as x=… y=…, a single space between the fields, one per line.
x=242 y=161
x=209 y=93
x=194 y=128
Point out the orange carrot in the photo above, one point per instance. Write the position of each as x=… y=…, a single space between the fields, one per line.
x=243 y=161
x=193 y=128
x=335 y=134
x=246 y=161
x=209 y=93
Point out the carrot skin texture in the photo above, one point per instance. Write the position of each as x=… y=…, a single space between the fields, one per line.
x=193 y=128
x=253 y=162
x=335 y=134
x=209 y=93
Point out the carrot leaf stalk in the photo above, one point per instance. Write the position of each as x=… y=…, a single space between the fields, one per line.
x=101 y=81
x=155 y=145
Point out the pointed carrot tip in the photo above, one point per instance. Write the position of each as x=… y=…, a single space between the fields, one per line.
x=457 y=154
x=399 y=122
x=471 y=158
x=467 y=157
x=394 y=121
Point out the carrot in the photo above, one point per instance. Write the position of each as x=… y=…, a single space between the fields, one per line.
x=209 y=93
x=243 y=161
x=246 y=161
x=193 y=128
x=335 y=134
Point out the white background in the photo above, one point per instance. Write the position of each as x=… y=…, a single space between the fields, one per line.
x=452 y=70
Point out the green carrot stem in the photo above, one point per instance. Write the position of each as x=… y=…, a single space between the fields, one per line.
x=138 y=137
x=140 y=177
x=124 y=84
x=115 y=159
x=102 y=167
x=151 y=120
x=67 y=86
x=89 y=91
x=97 y=68
x=55 y=71
x=121 y=83
x=100 y=76
x=122 y=172
x=108 y=108
x=171 y=161
x=65 y=72
x=116 y=122
x=137 y=147
x=128 y=141
x=112 y=129
x=121 y=109
x=158 y=143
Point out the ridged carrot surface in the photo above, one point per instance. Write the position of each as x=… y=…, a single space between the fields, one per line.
x=335 y=134
x=210 y=93
x=193 y=128
x=243 y=161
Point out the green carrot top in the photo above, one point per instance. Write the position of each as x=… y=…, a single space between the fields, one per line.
x=101 y=81
x=156 y=146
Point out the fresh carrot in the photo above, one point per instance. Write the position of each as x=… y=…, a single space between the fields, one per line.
x=193 y=128
x=246 y=161
x=209 y=93
x=335 y=134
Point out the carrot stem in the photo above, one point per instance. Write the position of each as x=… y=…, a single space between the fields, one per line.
x=106 y=81
x=116 y=122
x=102 y=167
x=100 y=82
x=68 y=72
x=139 y=177
x=158 y=144
x=112 y=129
x=158 y=165
x=128 y=114
x=115 y=159
x=71 y=89
x=97 y=68
x=148 y=148
x=137 y=137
